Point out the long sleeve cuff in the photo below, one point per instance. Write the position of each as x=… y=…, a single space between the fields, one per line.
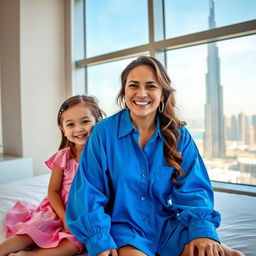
x=100 y=243
x=203 y=229
x=201 y=222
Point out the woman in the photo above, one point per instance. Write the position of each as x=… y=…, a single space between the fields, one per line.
x=142 y=187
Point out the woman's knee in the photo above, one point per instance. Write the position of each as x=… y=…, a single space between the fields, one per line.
x=69 y=247
x=230 y=251
x=236 y=253
x=185 y=251
x=129 y=250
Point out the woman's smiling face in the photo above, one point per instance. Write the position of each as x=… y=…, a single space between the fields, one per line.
x=142 y=92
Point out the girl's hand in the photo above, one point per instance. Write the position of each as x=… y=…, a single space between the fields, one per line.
x=66 y=227
x=112 y=252
x=205 y=246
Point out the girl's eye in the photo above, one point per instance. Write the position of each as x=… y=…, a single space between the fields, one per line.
x=69 y=124
x=85 y=121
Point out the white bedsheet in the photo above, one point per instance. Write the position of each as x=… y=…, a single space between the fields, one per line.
x=238 y=228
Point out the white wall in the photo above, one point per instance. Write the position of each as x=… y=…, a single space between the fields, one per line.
x=33 y=77
x=1 y=137
x=10 y=76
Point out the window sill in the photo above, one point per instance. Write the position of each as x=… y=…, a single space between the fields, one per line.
x=249 y=190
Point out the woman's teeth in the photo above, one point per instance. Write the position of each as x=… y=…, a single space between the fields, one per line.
x=141 y=102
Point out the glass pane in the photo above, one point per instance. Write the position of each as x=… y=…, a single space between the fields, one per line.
x=216 y=88
x=186 y=17
x=104 y=82
x=115 y=25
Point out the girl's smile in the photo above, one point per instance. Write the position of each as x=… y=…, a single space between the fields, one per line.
x=77 y=123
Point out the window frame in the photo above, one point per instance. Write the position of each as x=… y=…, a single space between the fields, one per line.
x=155 y=48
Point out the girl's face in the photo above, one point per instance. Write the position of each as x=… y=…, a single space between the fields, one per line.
x=142 y=92
x=77 y=123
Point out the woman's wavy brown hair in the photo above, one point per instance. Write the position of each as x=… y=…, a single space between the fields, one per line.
x=169 y=121
x=92 y=104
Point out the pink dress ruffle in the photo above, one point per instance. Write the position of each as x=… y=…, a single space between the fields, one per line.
x=41 y=223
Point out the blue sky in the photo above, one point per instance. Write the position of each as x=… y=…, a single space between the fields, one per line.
x=189 y=16
x=114 y=25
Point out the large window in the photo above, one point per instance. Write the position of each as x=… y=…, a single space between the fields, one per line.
x=224 y=75
x=209 y=50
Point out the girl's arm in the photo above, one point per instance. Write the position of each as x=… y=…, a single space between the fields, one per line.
x=54 y=194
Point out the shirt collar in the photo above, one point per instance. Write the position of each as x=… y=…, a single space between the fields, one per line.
x=126 y=125
x=158 y=129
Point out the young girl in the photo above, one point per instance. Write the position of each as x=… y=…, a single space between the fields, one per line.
x=45 y=225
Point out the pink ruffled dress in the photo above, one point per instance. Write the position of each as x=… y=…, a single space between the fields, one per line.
x=40 y=222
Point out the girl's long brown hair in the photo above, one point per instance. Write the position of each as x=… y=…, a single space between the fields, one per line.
x=92 y=104
x=168 y=119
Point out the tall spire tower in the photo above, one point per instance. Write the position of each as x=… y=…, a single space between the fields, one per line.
x=214 y=140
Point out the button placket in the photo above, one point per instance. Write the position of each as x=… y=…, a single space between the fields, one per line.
x=143 y=198
x=144 y=175
x=146 y=219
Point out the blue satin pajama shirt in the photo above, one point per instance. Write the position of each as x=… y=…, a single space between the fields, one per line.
x=123 y=195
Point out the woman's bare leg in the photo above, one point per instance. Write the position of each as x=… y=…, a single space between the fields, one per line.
x=129 y=250
x=65 y=248
x=227 y=251
x=15 y=243
x=231 y=252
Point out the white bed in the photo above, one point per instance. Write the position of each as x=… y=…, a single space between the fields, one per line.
x=238 y=228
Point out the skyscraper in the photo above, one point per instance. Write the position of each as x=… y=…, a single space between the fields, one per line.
x=234 y=128
x=254 y=128
x=214 y=139
x=244 y=128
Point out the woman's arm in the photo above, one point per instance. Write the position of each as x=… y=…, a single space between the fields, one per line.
x=193 y=199
x=54 y=194
x=88 y=198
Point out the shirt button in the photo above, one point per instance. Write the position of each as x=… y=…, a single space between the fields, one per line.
x=142 y=198
x=144 y=175
x=146 y=219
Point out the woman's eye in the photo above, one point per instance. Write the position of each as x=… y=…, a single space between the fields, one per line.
x=132 y=85
x=152 y=86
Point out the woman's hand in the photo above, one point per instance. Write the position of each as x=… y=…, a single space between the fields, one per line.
x=112 y=252
x=205 y=246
